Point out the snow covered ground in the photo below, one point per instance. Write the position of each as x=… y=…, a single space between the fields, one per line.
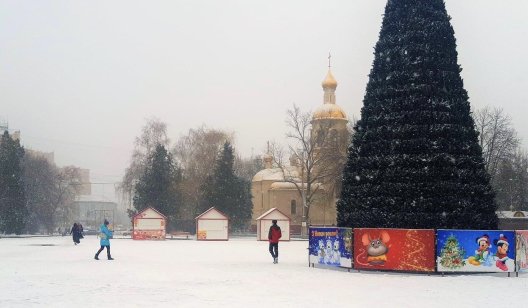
x=52 y=272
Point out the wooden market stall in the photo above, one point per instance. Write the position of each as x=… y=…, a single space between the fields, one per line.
x=212 y=225
x=264 y=223
x=149 y=224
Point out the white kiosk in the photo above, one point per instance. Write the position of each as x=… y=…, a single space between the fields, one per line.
x=264 y=223
x=212 y=225
x=149 y=224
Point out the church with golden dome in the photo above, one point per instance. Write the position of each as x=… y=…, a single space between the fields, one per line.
x=271 y=189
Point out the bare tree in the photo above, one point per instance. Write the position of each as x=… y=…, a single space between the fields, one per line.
x=320 y=158
x=497 y=137
x=40 y=180
x=50 y=193
x=68 y=186
x=506 y=163
x=196 y=153
x=511 y=183
x=247 y=167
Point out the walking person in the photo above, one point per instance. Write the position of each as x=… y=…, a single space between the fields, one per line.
x=105 y=236
x=273 y=236
x=81 y=231
x=74 y=232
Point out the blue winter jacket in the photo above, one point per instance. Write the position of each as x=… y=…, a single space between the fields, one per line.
x=105 y=235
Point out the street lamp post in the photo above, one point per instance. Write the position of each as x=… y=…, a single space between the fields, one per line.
x=300 y=155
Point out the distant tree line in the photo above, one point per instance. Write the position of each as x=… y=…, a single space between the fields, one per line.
x=506 y=161
x=35 y=195
x=199 y=171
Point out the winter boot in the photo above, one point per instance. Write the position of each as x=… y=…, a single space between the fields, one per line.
x=96 y=257
x=274 y=260
x=501 y=265
x=110 y=258
x=473 y=261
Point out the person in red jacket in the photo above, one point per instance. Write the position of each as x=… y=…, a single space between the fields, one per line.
x=273 y=236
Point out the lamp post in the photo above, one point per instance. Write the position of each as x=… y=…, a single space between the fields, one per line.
x=300 y=156
x=511 y=195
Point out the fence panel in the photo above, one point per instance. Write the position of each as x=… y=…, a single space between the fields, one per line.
x=394 y=249
x=521 y=251
x=475 y=251
x=330 y=246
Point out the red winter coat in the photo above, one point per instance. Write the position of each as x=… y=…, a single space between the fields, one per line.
x=274 y=234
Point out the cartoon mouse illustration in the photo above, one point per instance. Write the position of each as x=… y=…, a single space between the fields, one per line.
x=376 y=247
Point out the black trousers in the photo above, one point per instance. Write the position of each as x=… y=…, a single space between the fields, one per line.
x=101 y=249
x=274 y=249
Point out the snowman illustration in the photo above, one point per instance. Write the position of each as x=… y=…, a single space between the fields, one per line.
x=321 y=251
x=336 y=253
x=328 y=252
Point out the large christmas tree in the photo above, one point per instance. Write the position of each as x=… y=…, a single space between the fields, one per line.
x=414 y=161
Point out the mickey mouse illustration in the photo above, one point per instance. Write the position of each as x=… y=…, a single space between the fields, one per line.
x=482 y=253
x=502 y=252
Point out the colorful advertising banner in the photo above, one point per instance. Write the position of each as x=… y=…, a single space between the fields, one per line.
x=521 y=252
x=331 y=246
x=148 y=234
x=394 y=249
x=201 y=234
x=475 y=251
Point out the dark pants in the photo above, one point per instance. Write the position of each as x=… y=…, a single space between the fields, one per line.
x=107 y=251
x=274 y=249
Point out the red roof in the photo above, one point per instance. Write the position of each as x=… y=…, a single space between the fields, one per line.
x=151 y=208
x=273 y=209
x=212 y=208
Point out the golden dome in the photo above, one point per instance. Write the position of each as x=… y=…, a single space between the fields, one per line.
x=329 y=81
x=329 y=111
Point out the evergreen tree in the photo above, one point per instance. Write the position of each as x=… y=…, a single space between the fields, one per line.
x=158 y=185
x=227 y=192
x=13 y=210
x=415 y=161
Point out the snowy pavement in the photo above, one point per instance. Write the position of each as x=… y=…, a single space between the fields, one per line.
x=52 y=272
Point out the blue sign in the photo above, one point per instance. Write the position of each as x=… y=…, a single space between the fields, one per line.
x=331 y=246
x=475 y=251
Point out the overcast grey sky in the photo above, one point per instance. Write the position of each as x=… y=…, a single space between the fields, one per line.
x=80 y=77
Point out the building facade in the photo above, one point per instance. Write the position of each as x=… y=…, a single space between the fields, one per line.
x=281 y=188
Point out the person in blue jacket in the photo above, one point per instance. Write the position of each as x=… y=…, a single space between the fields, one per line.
x=105 y=236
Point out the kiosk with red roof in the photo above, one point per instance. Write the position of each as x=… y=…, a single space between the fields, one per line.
x=212 y=225
x=149 y=224
x=264 y=223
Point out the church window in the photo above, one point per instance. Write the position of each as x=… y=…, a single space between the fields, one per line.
x=320 y=137
x=293 y=206
x=333 y=137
